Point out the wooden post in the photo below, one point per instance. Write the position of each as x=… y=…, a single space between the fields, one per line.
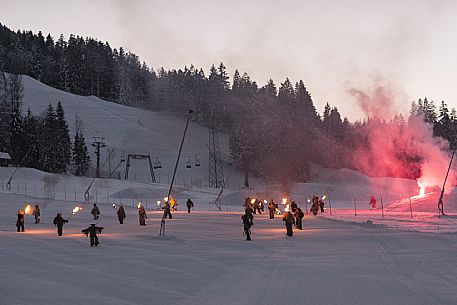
x=410 y=208
x=330 y=205
x=382 y=208
x=355 y=207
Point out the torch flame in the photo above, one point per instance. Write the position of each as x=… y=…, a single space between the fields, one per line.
x=284 y=200
x=114 y=205
x=323 y=197
x=252 y=201
x=139 y=205
x=287 y=208
x=76 y=210
x=158 y=202
x=265 y=201
x=27 y=209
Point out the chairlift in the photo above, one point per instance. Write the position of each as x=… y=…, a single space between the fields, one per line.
x=155 y=165
x=188 y=164
x=159 y=164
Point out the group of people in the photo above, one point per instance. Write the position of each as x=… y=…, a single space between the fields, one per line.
x=20 y=223
x=92 y=230
x=317 y=204
x=293 y=216
x=59 y=222
x=256 y=205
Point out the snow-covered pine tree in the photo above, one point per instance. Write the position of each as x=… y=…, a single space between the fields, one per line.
x=17 y=147
x=5 y=113
x=81 y=159
x=48 y=142
x=31 y=134
x=63 y=148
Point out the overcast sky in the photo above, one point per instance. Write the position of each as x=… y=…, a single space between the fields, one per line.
x=408 y=47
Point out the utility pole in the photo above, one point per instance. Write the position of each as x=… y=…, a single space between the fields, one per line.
x=98 y=143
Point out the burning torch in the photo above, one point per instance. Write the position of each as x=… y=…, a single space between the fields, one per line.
x=28 y=209
x=75 y=210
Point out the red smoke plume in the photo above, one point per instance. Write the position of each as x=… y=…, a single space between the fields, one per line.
x=379 y=104
x=395 y=149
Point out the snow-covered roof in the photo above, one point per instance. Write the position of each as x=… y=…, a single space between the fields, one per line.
x=4 y=155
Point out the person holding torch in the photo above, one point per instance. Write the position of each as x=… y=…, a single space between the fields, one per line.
x=20 y=221
x=59 y=222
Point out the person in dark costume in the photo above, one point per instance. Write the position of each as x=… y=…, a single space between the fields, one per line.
x=298 y=218
x=92 y=232
x=167 y=211
x=59 y=222
x=246 y=217
x=293 y=207
x=36 y=213
x=272 y=209
x=121 y=214
x=288 y=218
x=315 y=207
x=95 y=212
x=321 y=205
x=142 y=216
x=189 y=205
x=20 y=221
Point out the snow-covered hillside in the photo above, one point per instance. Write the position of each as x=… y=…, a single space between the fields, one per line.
x=130 y=130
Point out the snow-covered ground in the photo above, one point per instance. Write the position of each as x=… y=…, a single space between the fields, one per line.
x=204 y=259
x=380 y=256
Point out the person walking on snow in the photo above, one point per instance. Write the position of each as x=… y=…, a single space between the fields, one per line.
x=121 y=214
x=298 y=218
x=315 y=207
x=95 y=212
x=142 y=216
x=59 y=222
x=321 y=205
x=272 y=209
x=20 y=221
x=36 y=213
x=288 y=218
x=189 y=205
x=372 y=202
x=246 y=217
x=92 y=232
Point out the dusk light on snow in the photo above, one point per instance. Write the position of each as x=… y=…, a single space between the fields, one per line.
x=220 y=153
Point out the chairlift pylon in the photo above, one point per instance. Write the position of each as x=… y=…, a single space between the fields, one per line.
x=197 y=161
